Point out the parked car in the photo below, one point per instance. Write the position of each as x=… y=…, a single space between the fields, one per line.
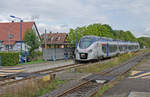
x=25 y=57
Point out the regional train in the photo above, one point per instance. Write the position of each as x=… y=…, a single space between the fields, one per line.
x=93 y=48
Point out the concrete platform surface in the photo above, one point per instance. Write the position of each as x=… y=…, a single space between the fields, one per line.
x=136 y=84
x=47 y=65
x=139 y=94
x=4 y=71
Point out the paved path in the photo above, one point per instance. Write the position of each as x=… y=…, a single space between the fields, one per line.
x=50 y=64
x=135 y=85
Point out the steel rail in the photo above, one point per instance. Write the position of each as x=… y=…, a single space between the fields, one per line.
x=48 y=71
x=105 y=72
x=117 y=77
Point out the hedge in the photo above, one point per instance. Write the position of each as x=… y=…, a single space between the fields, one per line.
x=35 y=55
x=9 y=58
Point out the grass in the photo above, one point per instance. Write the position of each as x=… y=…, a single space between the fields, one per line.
x=32 y=88
x=102 y=90
x=115 y=61
x=100 y=67
x=108 y=86
x=34 y=62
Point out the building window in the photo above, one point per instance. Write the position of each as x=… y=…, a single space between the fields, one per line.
x=57 y=38
x=49 y=39
x=10 y=47
x=52 y=39
x=6 y=46
x=11 y=36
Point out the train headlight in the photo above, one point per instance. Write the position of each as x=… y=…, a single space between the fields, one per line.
x=89 y=51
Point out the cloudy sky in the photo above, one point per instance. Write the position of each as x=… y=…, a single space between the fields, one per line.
x=60 y=15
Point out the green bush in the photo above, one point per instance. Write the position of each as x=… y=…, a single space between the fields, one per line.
x=35 y=55
x=9 y=58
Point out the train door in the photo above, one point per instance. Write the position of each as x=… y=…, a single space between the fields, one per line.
x=98 y=50
x=107 y=49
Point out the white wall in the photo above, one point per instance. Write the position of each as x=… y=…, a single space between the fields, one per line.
x=17 y=47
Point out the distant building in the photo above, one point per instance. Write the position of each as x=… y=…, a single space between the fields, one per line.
x=55 y=46
x=54 y=39
x=10 y=35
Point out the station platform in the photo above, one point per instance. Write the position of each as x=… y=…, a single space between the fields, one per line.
x=139 y=94
x=5 y=71
x=136 y=84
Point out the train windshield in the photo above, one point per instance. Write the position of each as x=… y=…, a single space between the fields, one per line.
x=85 y=42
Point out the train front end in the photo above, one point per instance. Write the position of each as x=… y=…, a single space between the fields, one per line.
x=85 y=50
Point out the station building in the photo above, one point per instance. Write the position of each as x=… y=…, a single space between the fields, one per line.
x=55 y=46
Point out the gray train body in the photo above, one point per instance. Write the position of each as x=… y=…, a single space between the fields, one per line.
x=93 y=48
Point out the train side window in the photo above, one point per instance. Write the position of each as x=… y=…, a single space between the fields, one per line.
x=104 y=48
x=130 y=47
x=120 y=47
x=112 y=48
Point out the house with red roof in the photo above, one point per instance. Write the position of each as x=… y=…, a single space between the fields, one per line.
x=10 y=35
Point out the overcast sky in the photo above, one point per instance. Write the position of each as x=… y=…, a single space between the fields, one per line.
x=61 y=15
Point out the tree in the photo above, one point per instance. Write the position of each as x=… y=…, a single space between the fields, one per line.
x=32 y=41
x=93 y=29
x=124 y=35
x=144 y=41
x=104 y=30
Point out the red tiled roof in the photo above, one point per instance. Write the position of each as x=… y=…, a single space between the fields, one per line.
x=55 y=38
x=14 y=29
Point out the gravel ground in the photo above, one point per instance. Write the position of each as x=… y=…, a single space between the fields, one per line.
x=72 y=79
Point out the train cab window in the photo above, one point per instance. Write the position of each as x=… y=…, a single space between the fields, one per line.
x=85 y=42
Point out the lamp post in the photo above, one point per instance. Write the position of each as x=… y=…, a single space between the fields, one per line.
x=76 y=39
x=21 y=58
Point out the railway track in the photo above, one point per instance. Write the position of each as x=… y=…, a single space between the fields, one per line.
x=89 y=85
x=25 y=76
x=18 y=77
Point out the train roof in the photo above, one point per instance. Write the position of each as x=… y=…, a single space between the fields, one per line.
x=110 y=39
